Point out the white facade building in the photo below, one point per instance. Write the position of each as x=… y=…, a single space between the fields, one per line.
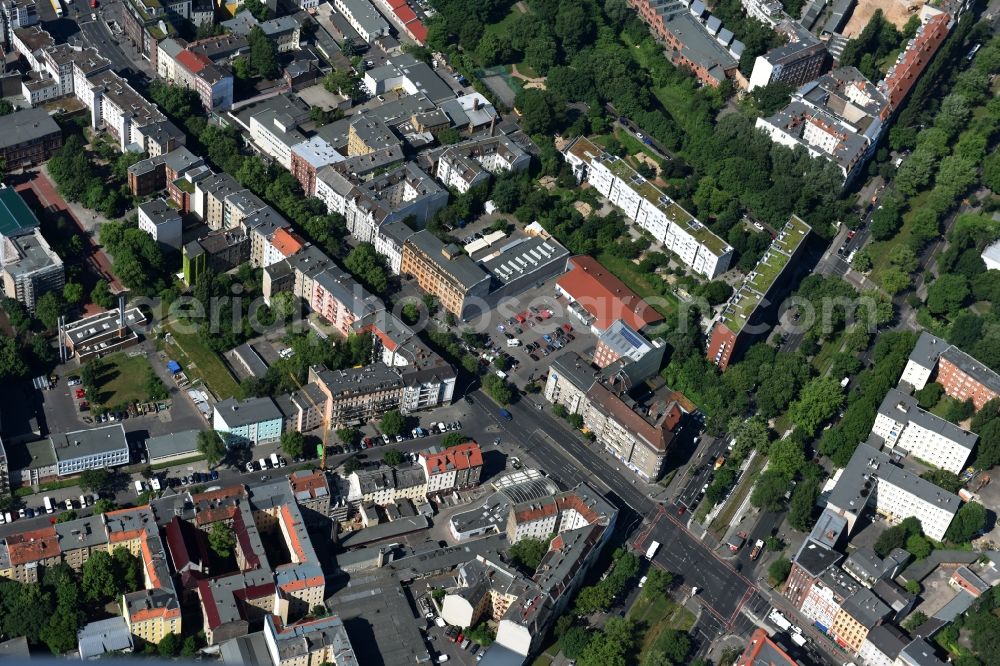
x=901 y=423
x=669 y=224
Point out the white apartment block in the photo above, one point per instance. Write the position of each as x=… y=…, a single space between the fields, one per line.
x=464 y=166
x=898 y=494
x=363 y=17
x=901 y=423
x=669 y=224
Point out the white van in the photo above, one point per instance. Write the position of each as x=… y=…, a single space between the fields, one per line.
x=69 y=504
x=83 y=501
x=513 y=342
x=155 y=483
x=47 y=501
x=263 y=464
x=274 y=460
x=138 y=487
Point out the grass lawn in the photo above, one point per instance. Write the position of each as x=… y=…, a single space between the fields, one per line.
x=645 y=284
x=656 y=615
x=824 y=357
x=124 y=380
x=721 y=522
x=200 y=361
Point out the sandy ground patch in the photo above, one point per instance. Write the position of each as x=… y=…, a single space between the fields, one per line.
x=896 y=11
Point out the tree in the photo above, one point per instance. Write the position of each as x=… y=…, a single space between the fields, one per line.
x=12 y=365
x=918 y=546
x=895 y=281
x=574 y=641
x=97 y=480
x=913 y=622
x=392 y=423
x=189 y=648
x=211 y=446
x=896 y=536
x=560 y=410
x=104 y=505
x=913 y=586
x=988 y=450
x=128 y=570
x=820 y=399
x=221 y=540
x=717 y=292
x=778 y=571
x=658 y=582
x=453 y=439
x=66 y=516
x=368 y=267
x=263 y=54
x=943 y=479
x=99 y=582
x=498 y=389
x=348 y=435
x=575 y=421
x=786 y=457
x=258 y=9
x=528 y=553
x=73 y=293
x=969 y=521
x=169 y=645
x=947 y=294
x=293 y=443
x=101 y=295
x=393 y=457
x=929 y=395
x=991 y=172
x=352 y=465
x=48 y=309
x=769 y=491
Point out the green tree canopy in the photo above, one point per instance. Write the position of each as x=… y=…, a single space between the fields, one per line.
x=211 y=446
x=221 y=540
x=293 y=443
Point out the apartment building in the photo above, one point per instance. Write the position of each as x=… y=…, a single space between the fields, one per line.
x=341 y=300
x=218 y=251
x=455 y=468
x=25 y=554
x=156 y=173
x=650 y=208
x=357 y=395
x=570 y=378
x=283 y=31
x=210 y=196
x=98 y=448
x=428 y=380
x=404 y=72
x=761 y=649
x=751 y=308
x=308 y=157
x=262 y=226
x=4 y=471
x=882 y=645
x=897 y=493
x=468 y=164
x=162 y=222
x=17 y=14
x=364 y=18
x=273 y=126
x=136 y=124
x=387 y=485
x=599 y=299
x=28 y=137
x=859 y=614
x=913 y=60
x=311 y=491
x=29 y=268
x=695 y=39
x=795 y=63
x=445 y=272
x=963 y=377
x=639 y=435
x=836 y=117
x=249 y=422
x=213 y=82
x=396 y=194
x=625 y=353
x=309 y=642
x=902 y=424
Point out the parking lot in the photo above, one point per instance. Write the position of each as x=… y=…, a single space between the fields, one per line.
x=543 y=327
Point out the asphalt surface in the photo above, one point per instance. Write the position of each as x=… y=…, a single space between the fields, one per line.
x=77 y=27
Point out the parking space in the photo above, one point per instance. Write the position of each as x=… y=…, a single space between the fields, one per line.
x=532 y=329
x=444 y=640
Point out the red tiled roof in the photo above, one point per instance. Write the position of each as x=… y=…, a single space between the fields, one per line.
x=397 y=3
x=657 y=436
x=307 y=482
x=33 y=546
x=418 y=30
x=286 y=242
x=458 y=457
x=604 y=296
x=191 y=62
x=404 y=13
x=914 y=60
x=243 y=537
x=293 y=537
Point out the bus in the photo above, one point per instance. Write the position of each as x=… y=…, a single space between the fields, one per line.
x=57 y=6
x=651 y=551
